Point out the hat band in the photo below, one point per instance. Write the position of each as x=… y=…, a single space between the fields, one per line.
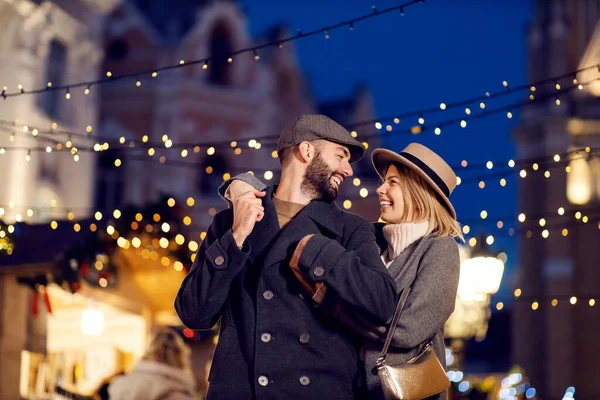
x=428 y=171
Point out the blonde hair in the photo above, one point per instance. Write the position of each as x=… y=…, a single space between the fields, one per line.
x=167 y=347
x=422 y=203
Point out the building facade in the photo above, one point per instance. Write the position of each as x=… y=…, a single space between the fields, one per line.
x=557 y=344
x=253 y=96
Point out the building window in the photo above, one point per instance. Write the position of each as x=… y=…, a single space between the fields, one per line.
x=220 y=50
x=117 y=50
x=210 y=175
x=56 y=63
x=110 y=183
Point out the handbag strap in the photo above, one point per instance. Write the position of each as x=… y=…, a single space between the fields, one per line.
x=398 y=312
x=394 y=323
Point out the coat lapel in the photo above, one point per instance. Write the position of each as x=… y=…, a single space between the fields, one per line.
x=317 y=217
x=266 y=230
x=402 y=269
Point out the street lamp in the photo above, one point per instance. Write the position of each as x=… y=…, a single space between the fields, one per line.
x=480 y=276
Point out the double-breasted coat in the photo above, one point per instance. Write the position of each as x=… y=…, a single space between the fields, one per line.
x=273 y=344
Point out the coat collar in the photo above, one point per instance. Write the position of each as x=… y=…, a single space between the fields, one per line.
x=405 y=262
x=318 y=216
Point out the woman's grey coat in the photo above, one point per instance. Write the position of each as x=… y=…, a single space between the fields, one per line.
x=432 y=266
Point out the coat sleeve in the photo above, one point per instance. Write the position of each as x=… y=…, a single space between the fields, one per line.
x=245 y=177
x=433 y=295
x=205 y=288
x=354 y=273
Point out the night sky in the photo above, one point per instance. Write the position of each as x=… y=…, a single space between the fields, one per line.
x=440 y=51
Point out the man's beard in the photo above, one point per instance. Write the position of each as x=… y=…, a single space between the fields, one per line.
x=316 y=182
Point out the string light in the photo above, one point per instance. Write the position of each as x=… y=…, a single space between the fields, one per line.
x=487 y=94
x=278 y=42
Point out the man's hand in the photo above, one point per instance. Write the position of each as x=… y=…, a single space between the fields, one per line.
x=237 y=188
x=317 y=289
x=247 y=211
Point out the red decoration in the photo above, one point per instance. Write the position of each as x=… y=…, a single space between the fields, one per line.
x=188 y=333
x=47 y=301
x=85 y=269
x=75 y=286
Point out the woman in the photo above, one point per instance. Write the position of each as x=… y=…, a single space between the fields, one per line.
x=418 y=247
x=163 y=373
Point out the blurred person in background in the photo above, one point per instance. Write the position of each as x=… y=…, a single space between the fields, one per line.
x=163 y=373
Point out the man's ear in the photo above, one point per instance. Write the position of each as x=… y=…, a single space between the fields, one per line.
x=307 y=151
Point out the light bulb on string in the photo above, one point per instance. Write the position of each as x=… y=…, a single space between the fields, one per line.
x=351 y=26
x=205 y=65
x=326 y=34
x=87 y=90
x=68 y=95
x=256 y=56
x=28 y=156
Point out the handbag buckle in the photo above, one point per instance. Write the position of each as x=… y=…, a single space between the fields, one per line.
x=380 y=363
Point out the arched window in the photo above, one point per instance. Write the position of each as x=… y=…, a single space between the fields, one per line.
x=117 y=50
x=210 y=175
x=56 y=63
x=220 y=50
x=110 y=181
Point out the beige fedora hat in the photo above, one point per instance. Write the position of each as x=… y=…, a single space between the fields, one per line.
x=425 y=163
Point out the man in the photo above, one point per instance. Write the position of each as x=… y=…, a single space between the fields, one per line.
x=273 y=344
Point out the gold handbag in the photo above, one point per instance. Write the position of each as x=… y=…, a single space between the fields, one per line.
x=420 y=377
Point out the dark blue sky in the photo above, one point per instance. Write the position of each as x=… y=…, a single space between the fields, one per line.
x=440 y=51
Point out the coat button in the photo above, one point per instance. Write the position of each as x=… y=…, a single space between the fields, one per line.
x=263 y=380
x=266 y=337
x=219 y=260
x=304 y=338
x=267 y=295
x=319 y=271
x=304 y=380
